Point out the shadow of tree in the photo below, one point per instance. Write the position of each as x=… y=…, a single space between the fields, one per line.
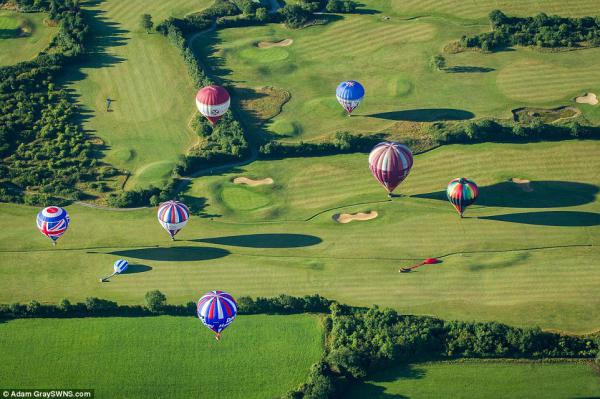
x=544 y=194
x=283 y=240
x=425 y=115
x=468 y=69
x=197 y=206
x=174 y=254
x=372 y=391
x=550 y=218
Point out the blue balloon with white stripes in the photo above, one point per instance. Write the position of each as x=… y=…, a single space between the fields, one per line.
x=120 y=266
x=350 y=94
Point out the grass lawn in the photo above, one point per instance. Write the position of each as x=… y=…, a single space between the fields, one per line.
x=520 y=258
x=22 y=36
x=160 y=357
x=144 y=75
x=482 y=379
x=391 y=57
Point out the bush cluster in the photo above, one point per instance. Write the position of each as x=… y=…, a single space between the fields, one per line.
x=542 y=31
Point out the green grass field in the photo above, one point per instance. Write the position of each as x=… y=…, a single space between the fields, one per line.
x=477 y=379
x=146 y=129
x=150 y=357
x=520 y=258
x=22 y=36
x=391 y=58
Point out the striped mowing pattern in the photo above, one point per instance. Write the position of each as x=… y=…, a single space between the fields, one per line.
x=481 y=8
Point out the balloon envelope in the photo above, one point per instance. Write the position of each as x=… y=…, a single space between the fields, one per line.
x=212 y=102
x=461 y=193
x=216 y=310
x=52 y=222
x=390 y=163
x=173 y=216
x=349 y=94
x=120 y=266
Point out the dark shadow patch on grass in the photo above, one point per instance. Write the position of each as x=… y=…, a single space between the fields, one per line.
x=550 y=218
x=365 y=11
x=372 y=391
x=544 y=194
x=174 y=254
x=468 y=69
x=137 y=268
x=425 y=115
x=197 y=206
x=283 y=240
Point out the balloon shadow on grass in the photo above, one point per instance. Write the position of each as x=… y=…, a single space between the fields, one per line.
x=283 y=240
x=174 y=254
x=551 y=218
x=135 y=268
x=543 y=194
x=425 y=115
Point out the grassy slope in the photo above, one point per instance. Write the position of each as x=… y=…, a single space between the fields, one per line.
x=491 y=274
x=483 y=380
x=16 y=49
x=391 y=58
x=159 y=357
x=148 y=81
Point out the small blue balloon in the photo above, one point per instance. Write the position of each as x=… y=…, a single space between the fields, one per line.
x=121 y=265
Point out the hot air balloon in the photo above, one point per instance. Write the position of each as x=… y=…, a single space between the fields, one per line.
x=212 y=102
x=390 y=163
x=461 y=193
x=349 y=94
x=119 y=267
x=53 y=222
x=216 y=310
x=173 y=216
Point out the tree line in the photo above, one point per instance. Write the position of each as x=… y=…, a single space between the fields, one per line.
x=359 y=341
x=541 y=30
x=362 y=341
x=44 y=153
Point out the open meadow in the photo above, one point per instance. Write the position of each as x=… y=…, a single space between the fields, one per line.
x=482 y=379
x=165 y=356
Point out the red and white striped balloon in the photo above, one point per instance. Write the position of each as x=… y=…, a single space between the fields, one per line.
x=390 y=163
x=212 y=102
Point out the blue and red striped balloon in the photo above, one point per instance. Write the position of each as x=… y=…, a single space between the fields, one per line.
x=461 y=193
x=350 y=94
x=52 y=222
x=173 y=216
x=217 y=310
x=390 y=164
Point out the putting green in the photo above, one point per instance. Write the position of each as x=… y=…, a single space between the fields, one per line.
x=23 y=36
x=243 y=198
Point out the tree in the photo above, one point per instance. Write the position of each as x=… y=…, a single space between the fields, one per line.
x=146 y=22
x=262 y=14
x=438 y=62
x=155 y=301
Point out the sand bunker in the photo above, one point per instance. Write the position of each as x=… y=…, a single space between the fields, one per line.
x=587 y=98
x=281 y=43
x=251 y=182
x=348 y=217
x=524 y=184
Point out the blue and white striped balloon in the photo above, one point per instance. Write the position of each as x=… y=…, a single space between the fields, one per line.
x=349 y=94
x=120 y=266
